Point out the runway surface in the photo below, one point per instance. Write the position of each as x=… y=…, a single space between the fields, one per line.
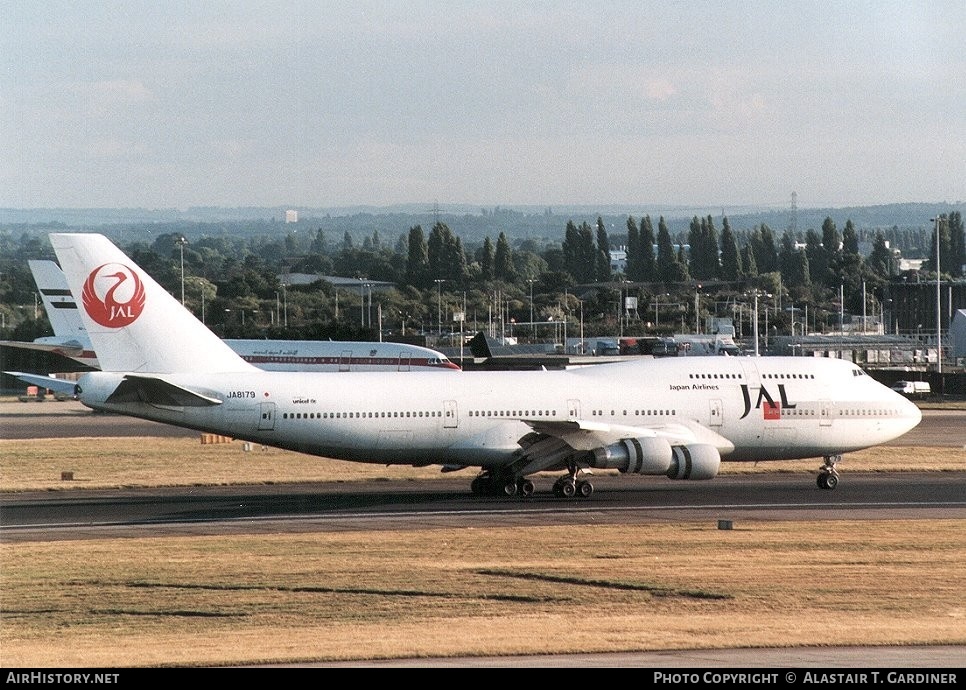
x=427 y=504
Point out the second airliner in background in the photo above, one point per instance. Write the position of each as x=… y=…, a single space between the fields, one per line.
x=70 y=340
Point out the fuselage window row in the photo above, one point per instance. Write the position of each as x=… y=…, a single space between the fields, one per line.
x=513 y=413
x=789 y=411
x=637 y=413
x=866 y=413
x=739 y=376
x=359 y=415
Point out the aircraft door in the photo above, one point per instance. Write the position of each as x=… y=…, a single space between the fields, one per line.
x=450 y=416
x=403 y=361
x=715 y=412
x=825 y=413
x=266 y=418
x=751 y=372
x=573 y=410
x=345 y=360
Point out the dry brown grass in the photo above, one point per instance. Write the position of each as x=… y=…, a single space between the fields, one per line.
x=98 y=463
x=462 y=592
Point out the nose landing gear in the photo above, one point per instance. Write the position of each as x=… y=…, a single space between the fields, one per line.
x=828 y=477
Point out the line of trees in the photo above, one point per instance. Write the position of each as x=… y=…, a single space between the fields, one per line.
x=227 y=275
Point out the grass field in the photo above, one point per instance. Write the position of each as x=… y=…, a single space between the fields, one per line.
x=284 y=598
x=98 y=463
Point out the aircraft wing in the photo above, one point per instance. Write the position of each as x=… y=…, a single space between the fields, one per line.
x=157 y=391
x=587 y=435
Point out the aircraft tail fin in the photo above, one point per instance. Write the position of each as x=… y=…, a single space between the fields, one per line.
x=479 y=347
x=134 y=324
x=59 y=303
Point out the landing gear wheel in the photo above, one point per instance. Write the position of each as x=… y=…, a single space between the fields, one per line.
x=831 y=481
x=509 y=488
x=828 y=477
x=568 y=489
x=584 y=489
x=525 y=487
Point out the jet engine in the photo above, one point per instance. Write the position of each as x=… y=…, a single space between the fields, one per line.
x=654 y=455
x=651 y=455
x=694 y=461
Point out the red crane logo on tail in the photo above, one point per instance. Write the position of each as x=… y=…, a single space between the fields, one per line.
x=113 y=295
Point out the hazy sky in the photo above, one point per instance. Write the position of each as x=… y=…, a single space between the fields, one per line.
x=321 y=103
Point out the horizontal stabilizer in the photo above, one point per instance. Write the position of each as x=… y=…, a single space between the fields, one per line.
x=48 y=382
x=66 y=348
x=156 y=391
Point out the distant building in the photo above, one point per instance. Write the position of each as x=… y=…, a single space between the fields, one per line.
x=957 y=335
x=910 y=264
x=354 y=284
x=618 y=260
x=910 y=307
x=871 y=350
x=291 y=216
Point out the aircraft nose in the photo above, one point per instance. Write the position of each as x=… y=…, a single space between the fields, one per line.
x=910 y=413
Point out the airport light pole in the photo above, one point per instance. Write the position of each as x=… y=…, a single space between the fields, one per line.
x=181 y=242
x=583 y=350
x=697 y=310
x=756 y=323
x=369 y=307
x=532 y=327
x=764 y=294
x=939 y=308
x=439 y=306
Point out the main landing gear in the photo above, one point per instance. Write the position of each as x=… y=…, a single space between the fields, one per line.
x=487 y=483
x=828 y=478
x=570 y=486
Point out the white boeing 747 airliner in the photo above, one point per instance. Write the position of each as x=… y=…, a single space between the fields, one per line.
x=677 y=417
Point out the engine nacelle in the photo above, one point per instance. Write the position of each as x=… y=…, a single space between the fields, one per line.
x=696 y=461
x=650 y=455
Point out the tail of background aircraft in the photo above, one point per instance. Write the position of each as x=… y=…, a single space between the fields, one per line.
x=134 y=324
x=59 y=304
